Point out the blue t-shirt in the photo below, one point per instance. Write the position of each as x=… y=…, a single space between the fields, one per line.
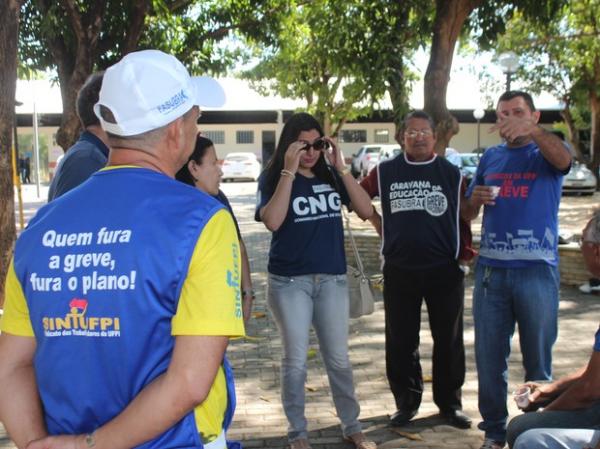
x=88 y=155
x=521 y=229
x=311 y=238
x=597 y=341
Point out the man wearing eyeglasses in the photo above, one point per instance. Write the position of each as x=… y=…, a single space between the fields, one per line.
x=420 y=201
x=516 y=278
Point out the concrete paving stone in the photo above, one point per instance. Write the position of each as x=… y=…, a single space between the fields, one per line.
x=326 y=440
x=462 y=441
x=254 y=444
x=393 y=444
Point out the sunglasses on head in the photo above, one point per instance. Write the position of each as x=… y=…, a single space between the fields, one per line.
x=319 y=145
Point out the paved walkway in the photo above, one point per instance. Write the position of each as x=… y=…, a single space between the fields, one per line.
x=259 y=421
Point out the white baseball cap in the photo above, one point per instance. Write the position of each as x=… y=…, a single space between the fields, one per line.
x=148 y=89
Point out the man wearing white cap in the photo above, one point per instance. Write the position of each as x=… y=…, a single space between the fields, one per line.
x=121 y=295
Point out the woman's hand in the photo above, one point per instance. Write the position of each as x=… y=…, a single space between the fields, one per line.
x=335 y=155
x=291 y=159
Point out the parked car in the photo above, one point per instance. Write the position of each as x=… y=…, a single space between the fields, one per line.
x=240 y=166
x=368 y=155
x=466 y=162
x=386 y=152
x=389 y=151
x=579 y=180
x=469 y=163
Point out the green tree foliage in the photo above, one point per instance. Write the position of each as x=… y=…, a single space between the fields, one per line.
x=9 y=27
x=481 y=20
x=563 y=57
x=77 y=37
x=340 y=57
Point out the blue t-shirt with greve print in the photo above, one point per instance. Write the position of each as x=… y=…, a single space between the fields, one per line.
x=311 y=238
x=597 y=341
x=521 y=229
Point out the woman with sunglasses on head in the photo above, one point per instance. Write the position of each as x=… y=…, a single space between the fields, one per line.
x=203 y=171
x=300 y=195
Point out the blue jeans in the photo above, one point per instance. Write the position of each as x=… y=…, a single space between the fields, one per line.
x=587 y=418
x=320 y=299
x=558 y=439
x=502 y=297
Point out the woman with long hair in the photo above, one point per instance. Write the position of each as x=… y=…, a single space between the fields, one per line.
x=300 y=196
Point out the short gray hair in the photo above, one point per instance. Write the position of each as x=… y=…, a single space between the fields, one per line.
x=592 y=231
x=138 y=141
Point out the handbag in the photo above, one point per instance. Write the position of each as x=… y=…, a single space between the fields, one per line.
x=360 y=291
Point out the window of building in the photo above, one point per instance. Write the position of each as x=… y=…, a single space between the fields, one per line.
x=244 y=137
x=382 y=136
x=218 y=137
x=353 y=135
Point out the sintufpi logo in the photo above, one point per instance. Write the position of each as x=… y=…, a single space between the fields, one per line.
x=77 y=324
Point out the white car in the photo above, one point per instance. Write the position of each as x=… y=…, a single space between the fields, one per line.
x=365 y=159
x=240 y=166
x=580 y=180
x=389 y=151
x=386 y=152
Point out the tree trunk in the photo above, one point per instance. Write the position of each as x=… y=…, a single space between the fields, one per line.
x=573 y=131
x=449 y=19
x=396 y=78
x=9 y=31
x=595 y=137
x=338 y=128
x=70 y=84
x=75 y=60
x=398 y=96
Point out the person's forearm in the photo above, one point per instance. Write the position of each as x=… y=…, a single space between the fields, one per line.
x=584 y=390
x=468 y=209
x=165 y=401
x=359 y=198
x=573 y=398
x=22 y=418
x=562 y=384
x=543 y=394
x=274 y=212
x=375 y=220
x=20 y=406
x=247 y=291
x=552 y=148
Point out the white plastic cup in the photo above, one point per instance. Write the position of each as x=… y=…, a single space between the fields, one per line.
x=521 y=396
x=495 y=190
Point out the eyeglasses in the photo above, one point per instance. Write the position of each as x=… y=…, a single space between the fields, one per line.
x=319 y=145
x=413 y=133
